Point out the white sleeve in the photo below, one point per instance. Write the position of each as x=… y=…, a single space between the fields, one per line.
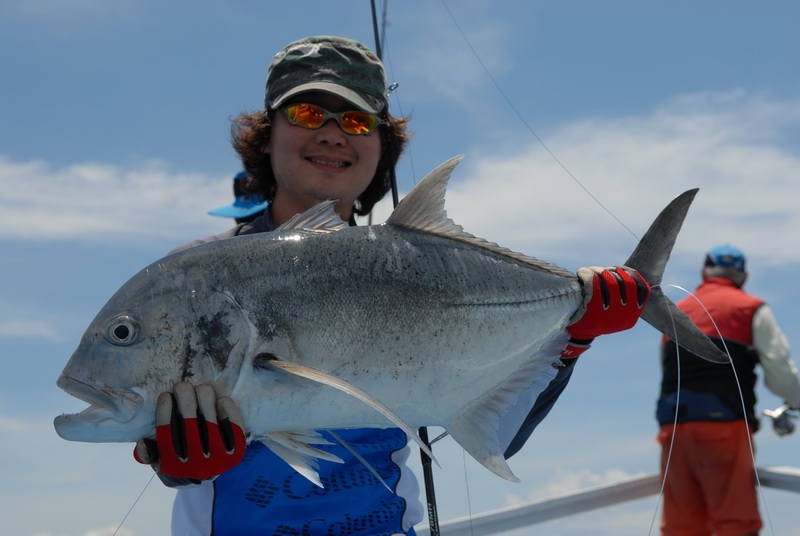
x=780 y=372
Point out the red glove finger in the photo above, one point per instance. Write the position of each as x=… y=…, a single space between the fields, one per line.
x=614 y=301
x=204 y=454
x=190 y=442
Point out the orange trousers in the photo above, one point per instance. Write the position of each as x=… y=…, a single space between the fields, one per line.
x=710 y=482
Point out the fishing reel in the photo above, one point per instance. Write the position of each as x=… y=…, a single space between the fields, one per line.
x=782 y=419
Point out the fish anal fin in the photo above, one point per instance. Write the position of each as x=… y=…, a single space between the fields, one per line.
x=476 y=428
x=480 y=441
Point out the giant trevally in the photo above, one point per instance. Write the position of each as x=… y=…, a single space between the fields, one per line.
x=320 y=325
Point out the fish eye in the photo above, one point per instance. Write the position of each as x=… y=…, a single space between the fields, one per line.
x=123 y=331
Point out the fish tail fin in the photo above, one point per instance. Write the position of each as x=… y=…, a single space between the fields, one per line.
x=649 y=259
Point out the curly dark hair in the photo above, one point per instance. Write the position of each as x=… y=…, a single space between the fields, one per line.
x=250 y=132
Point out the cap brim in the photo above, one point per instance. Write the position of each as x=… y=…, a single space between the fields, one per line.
x=365 y=103
x=239 y=210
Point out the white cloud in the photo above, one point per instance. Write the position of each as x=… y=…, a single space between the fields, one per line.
x=28 y=328
x=566 y=482
x=731 y=145
x=103 y=202
x=14 y=426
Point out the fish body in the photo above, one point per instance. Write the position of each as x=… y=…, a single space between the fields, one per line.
x=319 y=325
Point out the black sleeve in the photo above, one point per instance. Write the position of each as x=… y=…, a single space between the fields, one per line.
x=544 y=403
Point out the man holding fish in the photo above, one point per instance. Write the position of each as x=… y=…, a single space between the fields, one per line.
x=326 y=344
x=326 y=134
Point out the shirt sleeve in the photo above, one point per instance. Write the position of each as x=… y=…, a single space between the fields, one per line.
x=780 y=372
x=519 y=423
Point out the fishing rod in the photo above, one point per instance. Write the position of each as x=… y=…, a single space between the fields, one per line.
x=379 y=52
x=427 y=466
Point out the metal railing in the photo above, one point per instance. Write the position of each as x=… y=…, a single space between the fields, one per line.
x=523 y=515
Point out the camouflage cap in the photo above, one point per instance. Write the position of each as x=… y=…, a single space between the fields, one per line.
x=335 y=65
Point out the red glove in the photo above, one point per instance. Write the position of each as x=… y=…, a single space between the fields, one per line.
x=198 y=436
x=614 y=299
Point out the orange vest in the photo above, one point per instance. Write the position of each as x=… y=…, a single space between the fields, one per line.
x=708 y=391
x=731 y=309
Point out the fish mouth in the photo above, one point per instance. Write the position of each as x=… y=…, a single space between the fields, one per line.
x=107 y=408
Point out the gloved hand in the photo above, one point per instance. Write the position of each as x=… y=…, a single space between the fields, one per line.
x=198 y=436
x=613 y=301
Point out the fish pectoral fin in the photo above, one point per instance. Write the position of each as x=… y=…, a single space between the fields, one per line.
x=330 y=380
x=478 y=436
x=295 y=449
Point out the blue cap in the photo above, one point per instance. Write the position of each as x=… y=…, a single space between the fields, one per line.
x=244 y=206
x=727 y=257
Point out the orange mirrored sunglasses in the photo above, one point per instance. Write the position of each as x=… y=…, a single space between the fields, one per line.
x=313 y=117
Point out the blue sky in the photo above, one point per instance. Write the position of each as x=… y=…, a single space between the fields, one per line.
x=114 y=144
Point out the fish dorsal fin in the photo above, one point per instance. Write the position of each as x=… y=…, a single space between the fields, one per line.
x=423 y=209
x=321 y=218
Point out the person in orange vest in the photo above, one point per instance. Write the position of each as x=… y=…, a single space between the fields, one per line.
x=705 y=424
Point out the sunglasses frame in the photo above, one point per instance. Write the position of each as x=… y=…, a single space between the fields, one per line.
x=336 y=116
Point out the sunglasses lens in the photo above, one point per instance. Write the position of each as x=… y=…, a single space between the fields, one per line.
x=306 y=115
x=358 y=122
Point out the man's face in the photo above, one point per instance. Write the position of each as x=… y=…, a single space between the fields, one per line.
x=316 y=165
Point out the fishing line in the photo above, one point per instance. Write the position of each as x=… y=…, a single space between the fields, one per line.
x=440 y=436
x=599 y=203
x=674 y=423
x=388 y=61
x=528 y=127
x=536 y=137
x=134 y=504
x=741 y=398
x=466 y=487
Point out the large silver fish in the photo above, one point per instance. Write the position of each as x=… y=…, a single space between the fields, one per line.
x=320 y=326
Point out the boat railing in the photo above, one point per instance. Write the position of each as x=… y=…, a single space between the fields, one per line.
x=531 y=513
